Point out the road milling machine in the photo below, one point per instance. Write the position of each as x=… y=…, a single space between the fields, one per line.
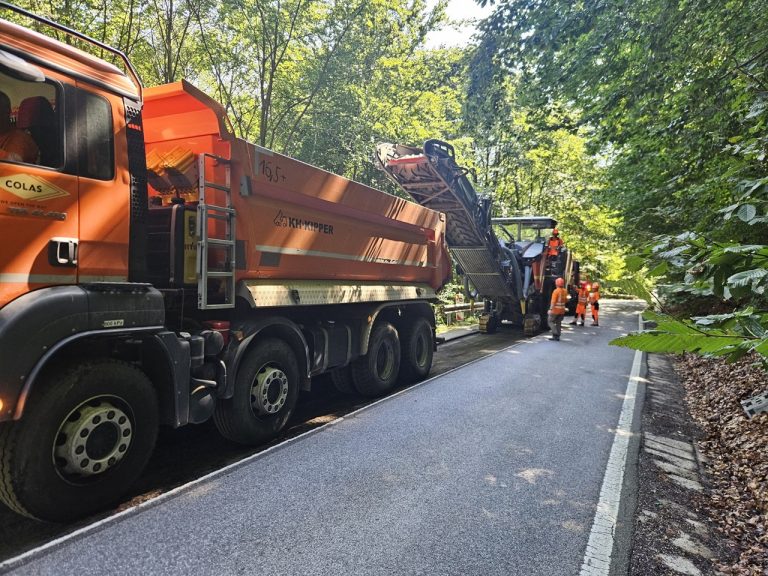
x=504 y=261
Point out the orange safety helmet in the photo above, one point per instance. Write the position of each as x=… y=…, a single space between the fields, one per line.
x=555 y=232
x=595 y=285
x=559 y=282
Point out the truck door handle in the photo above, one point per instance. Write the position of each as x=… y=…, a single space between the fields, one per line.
x=62 y=252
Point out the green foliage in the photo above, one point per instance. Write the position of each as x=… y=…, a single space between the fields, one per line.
x=677 y=111
x=322 y=80
x=731 y=335
x=636 y=287
x=674 y=104
x=697 y=265
x=158 y=35
x=536 y=162
x=451 y=293
x=729 y=276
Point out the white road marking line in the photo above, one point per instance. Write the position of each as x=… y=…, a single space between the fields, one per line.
x=597 y=558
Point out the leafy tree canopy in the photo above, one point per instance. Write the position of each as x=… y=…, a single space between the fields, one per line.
x=671 y=97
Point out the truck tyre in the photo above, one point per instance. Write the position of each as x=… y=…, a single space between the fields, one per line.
x=417 y=348
x=376 y=373
x=266 y=389
x=342 y=380
x=85 y=436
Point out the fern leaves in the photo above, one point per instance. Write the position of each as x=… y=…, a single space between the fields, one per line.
x=731 y=335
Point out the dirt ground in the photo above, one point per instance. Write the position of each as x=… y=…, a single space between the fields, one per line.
x=698 y=400
x=736 y=449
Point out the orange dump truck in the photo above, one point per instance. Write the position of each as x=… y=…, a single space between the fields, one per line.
x=156 y=270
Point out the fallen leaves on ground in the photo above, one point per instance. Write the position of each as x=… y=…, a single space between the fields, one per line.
x=736 y=450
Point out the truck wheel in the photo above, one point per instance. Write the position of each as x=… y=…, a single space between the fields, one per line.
x=85 y=436
x=417 y=348
x=266 y=389
x=342 y=380
x=376 y=373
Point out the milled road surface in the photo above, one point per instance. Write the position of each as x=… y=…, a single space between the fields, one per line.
x=494 y=468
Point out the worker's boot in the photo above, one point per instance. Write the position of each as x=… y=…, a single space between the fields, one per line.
x=573 y=323
x=555 y=337
x=581 y=323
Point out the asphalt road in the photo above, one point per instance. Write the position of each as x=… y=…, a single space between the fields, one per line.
x=493 y=468
x=188 y=453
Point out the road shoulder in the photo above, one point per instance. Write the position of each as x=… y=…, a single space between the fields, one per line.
x=672 y=531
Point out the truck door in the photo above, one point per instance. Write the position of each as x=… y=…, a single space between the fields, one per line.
x=38 y=189
x=104 y=185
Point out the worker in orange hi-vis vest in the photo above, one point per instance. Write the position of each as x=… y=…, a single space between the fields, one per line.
x=594 y=302
x=15 y=144
x=557 y=308
x=555 y=243
x=581 y=305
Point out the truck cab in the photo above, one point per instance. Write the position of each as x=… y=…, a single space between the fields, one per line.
x=64 y=207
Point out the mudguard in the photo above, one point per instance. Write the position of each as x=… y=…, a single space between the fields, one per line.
x=34 y=326
x=271 y=325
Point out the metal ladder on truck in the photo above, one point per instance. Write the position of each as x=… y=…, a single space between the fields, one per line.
x=219 y=280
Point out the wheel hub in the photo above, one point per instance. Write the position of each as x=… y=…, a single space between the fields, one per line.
x=421 y=350
x=270 y=391
x=385 y=360
x=94 y=438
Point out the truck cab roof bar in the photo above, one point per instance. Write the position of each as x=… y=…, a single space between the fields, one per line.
x=79 y=35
